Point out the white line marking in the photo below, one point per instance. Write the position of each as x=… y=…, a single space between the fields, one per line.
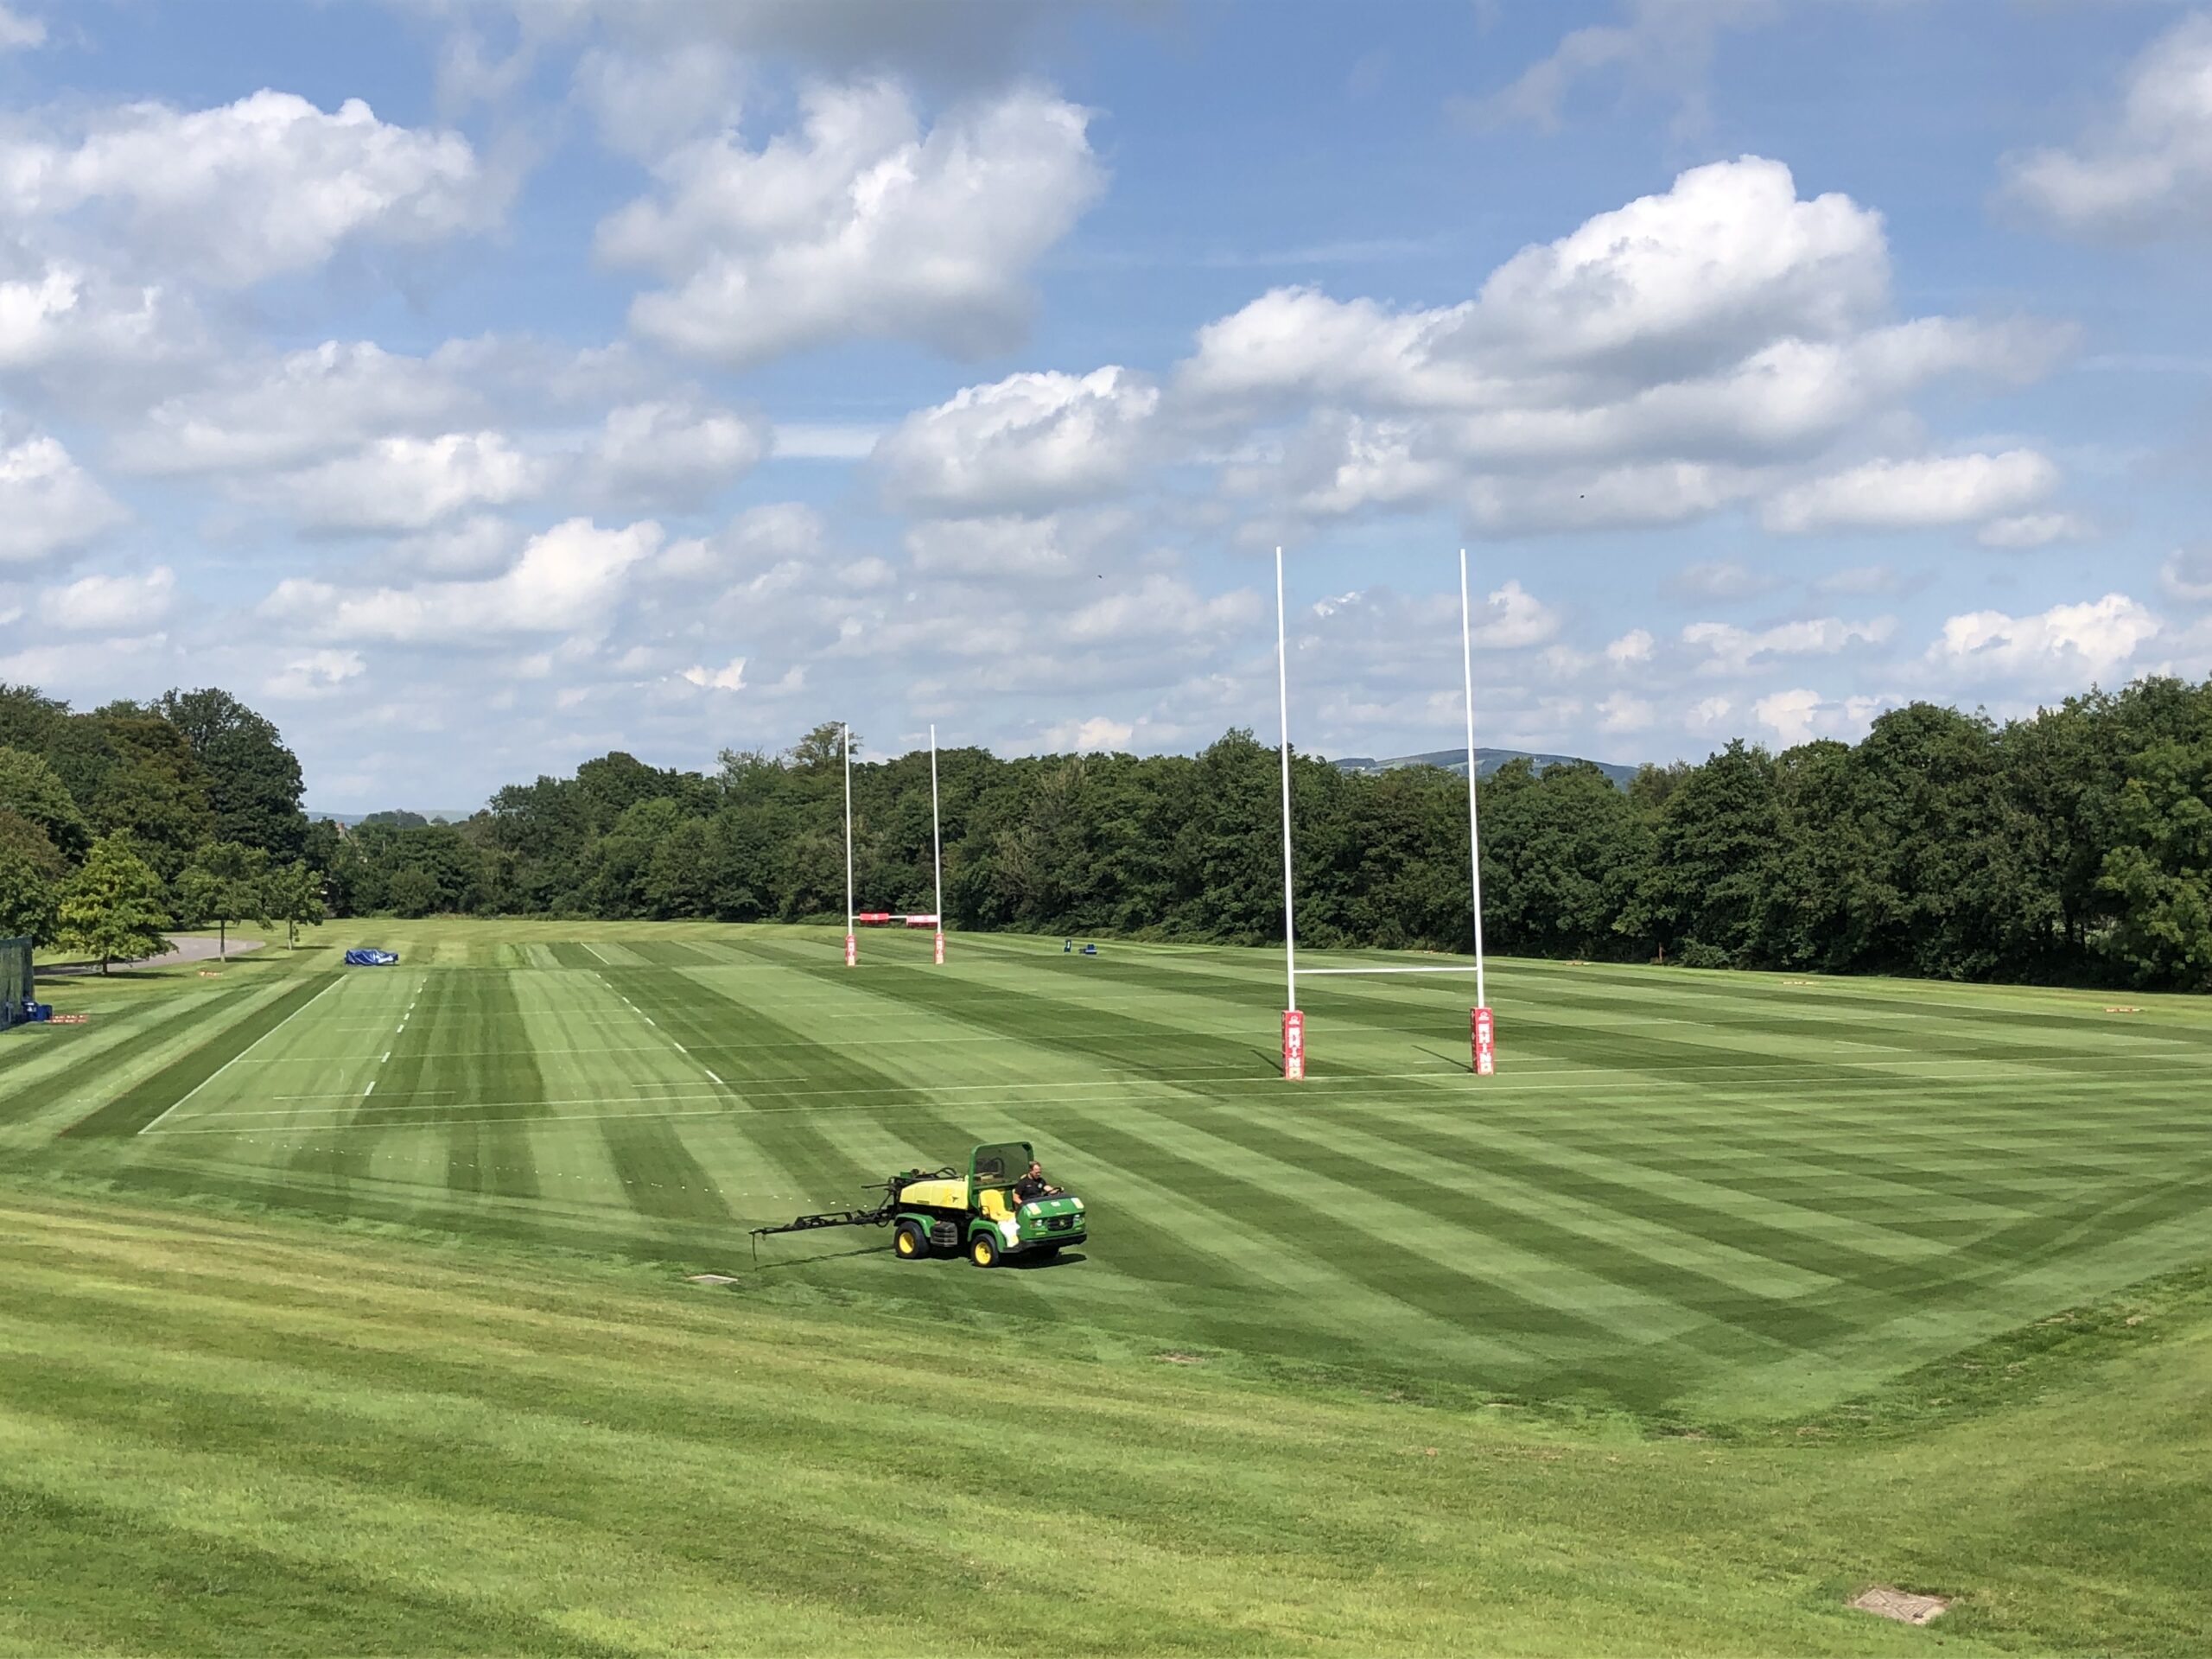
x=371 y=1089
x=712 y=1077
x=679 y=1047
x=387 y=1058
x=600 y=954
x=248 y=1049
x=1304 y=972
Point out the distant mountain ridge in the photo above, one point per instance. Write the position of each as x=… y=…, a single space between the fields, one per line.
x=1486 y=762
x=431 y=814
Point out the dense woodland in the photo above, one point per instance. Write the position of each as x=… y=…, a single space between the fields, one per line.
x=2073 y=846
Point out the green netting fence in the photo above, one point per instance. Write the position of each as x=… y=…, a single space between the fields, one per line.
x=15 y=980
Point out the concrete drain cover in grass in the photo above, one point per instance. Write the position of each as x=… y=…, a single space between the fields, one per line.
x=1900 y=1604
x=709 y=1278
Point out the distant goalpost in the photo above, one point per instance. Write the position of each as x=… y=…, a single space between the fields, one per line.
x=1481 y=1026
x=854 y=918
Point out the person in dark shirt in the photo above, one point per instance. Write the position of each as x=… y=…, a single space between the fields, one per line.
x=1032 y=1185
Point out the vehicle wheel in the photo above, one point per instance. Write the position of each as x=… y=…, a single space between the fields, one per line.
x=984 y=1249
x=910 y=1243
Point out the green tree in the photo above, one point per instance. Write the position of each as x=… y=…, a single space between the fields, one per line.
x=1717 y=855
x=226 y=882
x=155 y=788
x=412 y=891
x=293 y=894
x=253 y=781
x=2162 y=870
x=30 y=789
x=112 y=908
x=31 y=876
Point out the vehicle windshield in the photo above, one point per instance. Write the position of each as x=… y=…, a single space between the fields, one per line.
x=1001 y=1166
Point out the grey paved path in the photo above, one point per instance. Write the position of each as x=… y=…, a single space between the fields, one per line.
x=186 y=947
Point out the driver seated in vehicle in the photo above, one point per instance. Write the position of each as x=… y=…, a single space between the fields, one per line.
x=1032 y=1185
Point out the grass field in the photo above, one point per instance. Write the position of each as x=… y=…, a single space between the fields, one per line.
x=1730 y=1292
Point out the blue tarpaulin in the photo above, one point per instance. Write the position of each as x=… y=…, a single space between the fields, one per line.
x=366 y=959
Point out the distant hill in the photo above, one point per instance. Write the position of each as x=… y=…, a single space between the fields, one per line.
x=402 y=815
x=1486 y=762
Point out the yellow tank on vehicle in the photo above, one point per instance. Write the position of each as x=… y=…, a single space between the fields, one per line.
x=936 y=1195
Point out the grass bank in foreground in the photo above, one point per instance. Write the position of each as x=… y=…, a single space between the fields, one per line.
x=257 y=1436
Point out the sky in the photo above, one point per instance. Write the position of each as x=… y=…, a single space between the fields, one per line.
x=475 y=386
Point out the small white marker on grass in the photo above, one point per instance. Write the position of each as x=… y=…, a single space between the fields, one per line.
x=371 y=1089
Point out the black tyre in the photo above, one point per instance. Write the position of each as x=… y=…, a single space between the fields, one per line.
x=984 y=1249
x=911 y=1242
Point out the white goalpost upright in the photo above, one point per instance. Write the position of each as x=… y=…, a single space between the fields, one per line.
x=936 y=857
x=852 y=941
x=1482 y=1030
x=853 y=917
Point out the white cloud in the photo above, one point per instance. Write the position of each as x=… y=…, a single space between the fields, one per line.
x=778 y=535
x=115 y=605
x=2035 y=530
x=860 y=225
x=1160 y=606
x=1623 y=713
x=1667 y=492
x=677 y=453
x=1789 y=715
x=2063 y=644
x=728 y=677
x=1721 y=579
x=2148 y=171
x=825 y=440
x=1708 y=714
x=1676 y=283
x=1732 y=650
x=1655 y=366
x=475 y=546
x=1915 y=494
x=1512 y=618
x=48 y=505
x=307 y=403
x=58 y=313
x=19 y=33
x=567 y=579
x=1026 y=443
x=1096 y=735
x=2187 y=574
x=410 y=483
x=248 y=190
x=647 y=104
x=1631 y=648
x=1009 y=546
x=1666 y=43
x=314 y=674
x=1859 y=580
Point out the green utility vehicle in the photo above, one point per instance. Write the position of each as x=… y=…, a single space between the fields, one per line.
x=941 y=1212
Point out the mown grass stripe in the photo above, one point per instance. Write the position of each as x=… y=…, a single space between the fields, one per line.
x=136 y=1108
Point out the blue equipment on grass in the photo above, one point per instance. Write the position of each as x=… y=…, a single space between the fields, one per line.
x=1069 y=947
x=368 y=958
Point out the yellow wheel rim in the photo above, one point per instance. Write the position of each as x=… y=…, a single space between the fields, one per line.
x=982 y=1251
x=906 y=1243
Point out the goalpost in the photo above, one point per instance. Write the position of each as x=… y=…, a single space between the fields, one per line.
x=1481 y=1026
x=853 y=918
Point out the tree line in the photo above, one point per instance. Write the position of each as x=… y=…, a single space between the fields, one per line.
x=121 y=822
x=2071 y=846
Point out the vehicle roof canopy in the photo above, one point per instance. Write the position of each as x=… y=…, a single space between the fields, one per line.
x=999 y=1165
